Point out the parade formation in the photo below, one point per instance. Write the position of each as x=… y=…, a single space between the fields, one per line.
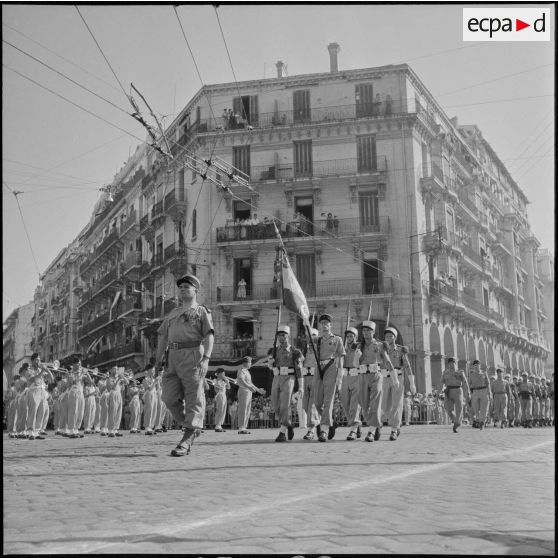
x=372 y=379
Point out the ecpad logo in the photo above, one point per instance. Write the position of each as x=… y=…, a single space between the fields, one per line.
x=506 y=24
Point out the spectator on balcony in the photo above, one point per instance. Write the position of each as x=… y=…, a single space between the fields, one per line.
x=241 y=292
x=335 y=225
x=329 y=223
x=225 y=118
x=389 y=105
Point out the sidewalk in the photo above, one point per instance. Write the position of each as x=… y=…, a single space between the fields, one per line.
x=431 y=491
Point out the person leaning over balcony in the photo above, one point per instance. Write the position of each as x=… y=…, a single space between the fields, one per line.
x=331 y=353
x=36 y=396
x=286 y=362
x=371 y=379
x=455 y=382
x=402 y=370
x=187 y=332
x=481 y=394
x=348 y=394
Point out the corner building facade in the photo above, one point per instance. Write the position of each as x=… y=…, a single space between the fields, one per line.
x=382 y=200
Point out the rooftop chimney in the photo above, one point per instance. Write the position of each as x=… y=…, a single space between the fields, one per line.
x=334 y=49
x=280 y=66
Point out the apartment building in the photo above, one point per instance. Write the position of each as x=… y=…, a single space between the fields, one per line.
x=17 y=334
x=386 y=206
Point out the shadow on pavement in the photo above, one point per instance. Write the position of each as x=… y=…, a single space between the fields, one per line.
x=541 y=546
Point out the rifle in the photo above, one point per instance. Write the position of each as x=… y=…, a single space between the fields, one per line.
x=276 y=328
x=369 y=311
x=347 y=323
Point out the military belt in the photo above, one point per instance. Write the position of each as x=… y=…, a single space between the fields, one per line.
x=184 y=345
x=453 y=387
x=473 y=389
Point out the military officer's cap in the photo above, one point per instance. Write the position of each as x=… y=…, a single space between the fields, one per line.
x=450 y=359
x=326 y=317
x=369 y=324
x=284 y=329
x=352 y=330
x=390 y=330
x=190 y=280
x=476 y=361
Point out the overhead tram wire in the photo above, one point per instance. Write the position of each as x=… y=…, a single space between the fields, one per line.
x=101 y=51
x=66 y=77
x=15 y=193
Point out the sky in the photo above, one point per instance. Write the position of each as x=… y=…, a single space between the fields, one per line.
x=58 y=155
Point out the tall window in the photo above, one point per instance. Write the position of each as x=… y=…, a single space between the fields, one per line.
x=302 y=158
x=301 y=105
x=306 y=273
x=241 y=158
x=242 y=275
x=371 y=275
x=247 y=108
x=368 y=210
x=364 y=99
x=366 y=153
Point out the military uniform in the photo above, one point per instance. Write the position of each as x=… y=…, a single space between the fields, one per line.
x=309 y=370
x=149 y=403
x=349 y=393
x=90 y=408
x=220 y=385
x=526 y=389
x=287 y=364
x=480 y=395
x=453 y=402
x=114 y=401
x=36 y=399
x=371 y=382
x=501 y=393
x=103 y=405
x=245 y=390
x=536 y=399
x=184 y=330
x=134 y=407
x=329 y=349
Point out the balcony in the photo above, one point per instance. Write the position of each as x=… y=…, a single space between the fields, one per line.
x=432 y=178
x=104 y=282
x=98 y=322
x=131 y=265
x=321 y=169
x=173 y=251
x=110 y=356
x=468 y=203
x=103 y=252
x=175 y=208
x=321 y=290
x=472 y=255
x=130 y=306
x=157 y=214
x=130 y=227
x=243 y=347
x=146 y=228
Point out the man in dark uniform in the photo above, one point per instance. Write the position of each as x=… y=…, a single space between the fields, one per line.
x=187 y=332
x=525 y=388
x=286 y=362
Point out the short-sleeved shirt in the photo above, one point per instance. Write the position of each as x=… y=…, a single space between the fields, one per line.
x=220 y=386
x=288 y=356
x=395 y=354
x=330 y=347
x=477 y=379
x=310 y=358
x=244 y=379
x=352 y=355
x=500 y=386
x=371 y=352
x=452 y=378
x=36 y=379
x=187 y=325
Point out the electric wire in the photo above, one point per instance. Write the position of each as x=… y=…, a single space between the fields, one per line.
x=101 y=51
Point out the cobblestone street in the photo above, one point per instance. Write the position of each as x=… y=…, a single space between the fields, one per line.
x=432 y=491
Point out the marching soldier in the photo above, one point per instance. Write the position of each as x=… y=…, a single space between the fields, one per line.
x=455 y=382
x=286 y=362
x=371 y=379
x=536 y=399
x=115 y=383
x=149 y=400
x=75 y=398
x=501 y=393
x=330 y=355
x=348 y=394
x=402 y=367
x=134 y=407
x=309 y=370
x=481 y=394
x=245 y=390
x=512 y=401
x=544 y=401
x=89 y=390
x=188 y=334
x=526 y=399
x=103 y=405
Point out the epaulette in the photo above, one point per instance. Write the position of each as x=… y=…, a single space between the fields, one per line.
x=207 y=309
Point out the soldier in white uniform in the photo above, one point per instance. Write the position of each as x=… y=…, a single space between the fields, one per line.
x=309 y=370
x=349 y=392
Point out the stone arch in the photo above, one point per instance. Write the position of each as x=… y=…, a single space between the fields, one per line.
x=435 y=356
x=482 y=354
x=461 y=352
x=449 y=346
x=490 y=364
